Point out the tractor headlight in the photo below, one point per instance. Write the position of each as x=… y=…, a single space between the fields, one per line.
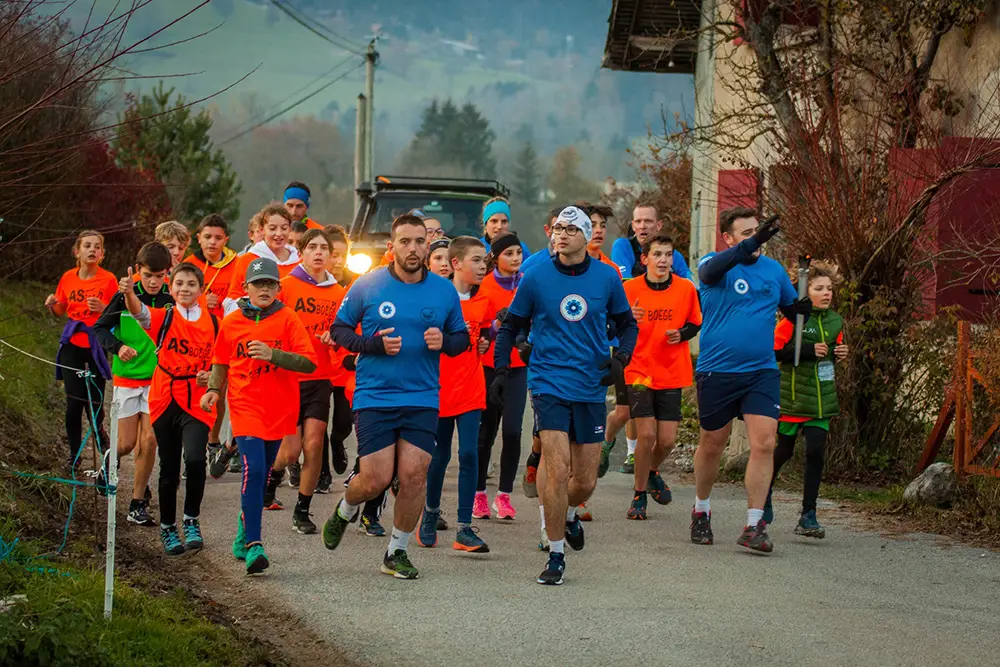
x=359 y=263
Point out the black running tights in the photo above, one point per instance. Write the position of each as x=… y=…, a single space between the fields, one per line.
x=515 y=396
x=78 y=403
x=179 y=435
x=815 y=455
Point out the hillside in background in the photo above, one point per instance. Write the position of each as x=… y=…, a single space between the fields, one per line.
x=532 y=67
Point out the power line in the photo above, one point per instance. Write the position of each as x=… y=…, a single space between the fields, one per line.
x=290 y=106
x=294 y=14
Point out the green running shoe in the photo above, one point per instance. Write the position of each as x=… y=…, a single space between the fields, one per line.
x=628 y=467
x=399 y=565
x=257 y=560
x=334 y=528
x=171 y=540
x=240 y=541
x=809 y=526
x=606 y=448
x=192 y=534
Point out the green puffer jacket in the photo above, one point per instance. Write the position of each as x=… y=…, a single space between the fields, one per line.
x=811 y=389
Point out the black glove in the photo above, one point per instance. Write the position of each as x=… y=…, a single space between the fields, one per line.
x=802 y=307
x=767 y=229
x=616 y=370
x=502 y=315
x=349 y=362
x=498 y=384
x=523 y=348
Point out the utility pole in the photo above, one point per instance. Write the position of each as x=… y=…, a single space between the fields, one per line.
x=360 y=147
x=371 y=57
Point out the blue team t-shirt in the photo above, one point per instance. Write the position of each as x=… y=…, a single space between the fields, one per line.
x=378 y=301
x=738 y=317
x=543 y=255
x=569 y=328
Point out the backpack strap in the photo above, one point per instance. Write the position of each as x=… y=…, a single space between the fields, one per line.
x=165 y=327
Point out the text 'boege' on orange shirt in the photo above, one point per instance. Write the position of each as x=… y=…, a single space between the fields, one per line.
x=316 y=307
x=462 y=386
x=263 y=399
x=657 y=363
x=74 y=292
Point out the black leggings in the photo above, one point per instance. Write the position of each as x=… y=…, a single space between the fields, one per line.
x=78 y=406
x=178 y=432
x=340 y=426
x=515 y=396
x=815 y=454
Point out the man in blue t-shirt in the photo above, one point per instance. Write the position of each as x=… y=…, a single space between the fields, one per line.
x=408 y=318
x=627 y=252
x=567 y=304
x=737 y=376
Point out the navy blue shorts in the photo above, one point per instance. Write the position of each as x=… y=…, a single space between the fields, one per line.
x=723 y=397
x=583 y=422
x=379 y=428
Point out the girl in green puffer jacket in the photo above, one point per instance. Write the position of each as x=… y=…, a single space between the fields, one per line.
x=809 y=391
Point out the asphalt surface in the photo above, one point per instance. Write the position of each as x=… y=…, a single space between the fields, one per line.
x=640 y=593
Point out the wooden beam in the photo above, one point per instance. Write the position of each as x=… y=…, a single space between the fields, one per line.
x=938 y=433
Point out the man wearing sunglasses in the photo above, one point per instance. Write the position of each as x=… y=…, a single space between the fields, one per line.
x=567 y=303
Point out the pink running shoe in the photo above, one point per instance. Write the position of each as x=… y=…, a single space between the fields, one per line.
x=481 y=506
x=503 y=508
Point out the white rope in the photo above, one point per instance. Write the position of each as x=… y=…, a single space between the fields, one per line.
x=47 y=361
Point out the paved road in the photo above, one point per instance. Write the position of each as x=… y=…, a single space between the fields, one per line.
x=640 y=593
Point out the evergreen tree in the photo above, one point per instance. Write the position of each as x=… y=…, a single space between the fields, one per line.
x=526 y=178
x=453 y=141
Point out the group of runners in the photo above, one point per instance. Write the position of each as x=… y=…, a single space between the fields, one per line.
x=446 y=336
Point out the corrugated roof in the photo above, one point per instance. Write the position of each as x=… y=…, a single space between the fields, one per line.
x=643 y=36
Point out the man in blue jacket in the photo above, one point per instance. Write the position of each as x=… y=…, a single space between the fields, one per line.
x=627 y=253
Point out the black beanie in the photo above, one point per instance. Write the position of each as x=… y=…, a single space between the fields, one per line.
x=502 y=243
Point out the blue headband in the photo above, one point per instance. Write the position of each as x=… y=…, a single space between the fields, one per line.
x=494 y=208
x=297 y=193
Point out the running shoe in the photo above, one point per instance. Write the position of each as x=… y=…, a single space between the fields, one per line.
x=466 y=539
x=606 y=448
x=171 y=540
x=574 y=534
x=628 y=467
x=701 y=528
x=240 y=541
x=543 y=544
x=193 y=539
x=658 y=489
x=768 y=510
x=637 y=511
x=756 y=538
x=274 y=478
x=102 y=482
x=399 y=565
x=325 y=483
x=302 y=524
x=294 y=474
x=219 y=458
x=339 y=458
x=553 y=573
x=138 y=513
x=809 y=526
x=236 y=463
x=427 y=535
x=481 y=506
x=371 y=527
x=503 y=508
x=583 y=512
x=529 y=483
x=334 y=528
x=442 y=524
x=256 y=559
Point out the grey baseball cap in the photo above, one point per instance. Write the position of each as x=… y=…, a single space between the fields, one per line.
x=262 y=268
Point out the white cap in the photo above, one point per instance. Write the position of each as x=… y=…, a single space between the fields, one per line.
x=574 y=215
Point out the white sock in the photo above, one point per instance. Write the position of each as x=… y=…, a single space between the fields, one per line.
x=632 y=442
x=541 y=510
x=557 y=546
x=190 y=518
x=347 y=510
x=430 y=509
x=571 y=515
x=398 y=540
x=703 y=505
x=753 y=516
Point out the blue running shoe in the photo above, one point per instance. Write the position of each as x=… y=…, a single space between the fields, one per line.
x=257 y=560
x=171 y=540
x=427 y=535
x=658 y=489
x=809 y=526
x=553 y=574
x=574 y=534
x=370 y=526
x=192 y=534
x=467 y=540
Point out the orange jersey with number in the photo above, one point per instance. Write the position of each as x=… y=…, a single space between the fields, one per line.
x=74 y=292
x=462 y=385
x=263 y=399
x=186 y=350
x=499 y=298
x=656 y=362
x=316 y=307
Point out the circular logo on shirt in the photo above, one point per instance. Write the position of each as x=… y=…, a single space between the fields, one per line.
x=573 y=308
x=386 y=309
x=427 y=315
x=741 y=286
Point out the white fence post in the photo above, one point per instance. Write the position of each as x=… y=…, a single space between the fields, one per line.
x=112 y=480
